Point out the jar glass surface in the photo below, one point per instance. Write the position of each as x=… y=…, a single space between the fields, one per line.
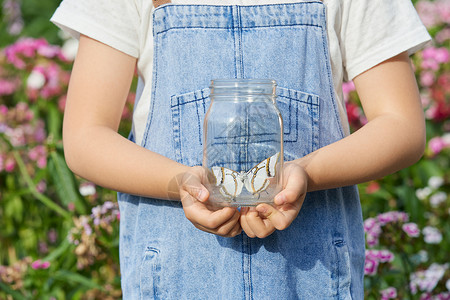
x=243 y=142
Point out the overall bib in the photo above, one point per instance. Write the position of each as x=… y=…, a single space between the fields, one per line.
x=321 y=254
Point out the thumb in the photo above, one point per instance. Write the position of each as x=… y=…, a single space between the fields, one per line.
x=193 y=186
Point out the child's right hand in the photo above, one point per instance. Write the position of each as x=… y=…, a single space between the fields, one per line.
x=194 y=197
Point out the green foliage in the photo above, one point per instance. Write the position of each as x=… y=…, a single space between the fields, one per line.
x=59 y=233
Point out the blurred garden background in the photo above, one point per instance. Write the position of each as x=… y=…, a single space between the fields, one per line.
x=59 y=233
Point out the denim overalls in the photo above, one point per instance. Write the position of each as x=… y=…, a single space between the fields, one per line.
x=321 y=255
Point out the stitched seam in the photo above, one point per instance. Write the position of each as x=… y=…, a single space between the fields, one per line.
x=233 y=27
x=198 y=123
x=153 y=97
x=224 y=6
x=330 y=80
x=241 y=52
x=187 y=102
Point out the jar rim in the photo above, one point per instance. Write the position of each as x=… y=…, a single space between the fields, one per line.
x=237 y=81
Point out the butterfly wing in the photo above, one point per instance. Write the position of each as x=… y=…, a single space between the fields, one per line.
x=257 y=179
x=229 y=181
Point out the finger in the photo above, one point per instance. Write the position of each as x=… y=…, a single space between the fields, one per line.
x=198 y=213
x=294 y=187
x=193 y=186
x=280 y=219
x=237 y=229
x=225 y=228
x=244 y=223
x=260 y=227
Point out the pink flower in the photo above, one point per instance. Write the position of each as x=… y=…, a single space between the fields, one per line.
x=389 y=293
x=10 y=164
x=442 y=55
x=387 y=217
x=411 y=229
x=369 y=224
x=427 y=78
x=71 y=206
x=38 y=264
x=443 y=35
x=347 y=88
x=436 y=145
x=7 y=87
x=372 y=239
x=3 y=110
x=370 y=266
x=42 y=162
x=385 y=256
x=443 y=296
x=427 y=12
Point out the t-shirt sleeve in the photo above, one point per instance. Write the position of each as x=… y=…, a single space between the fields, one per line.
x=374 y=31
x=112 y=22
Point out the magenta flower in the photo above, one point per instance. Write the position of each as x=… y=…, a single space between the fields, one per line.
x=385 y=256
x=392 y=216
x=28 y=48
x=370 y=266
x=369 y=224
x=411 y=229
x=389 y=293
x=437 y=144
x=443 y=296
x=9 y=164
x=38 y=264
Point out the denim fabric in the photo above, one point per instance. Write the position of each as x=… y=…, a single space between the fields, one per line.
x=321 y=255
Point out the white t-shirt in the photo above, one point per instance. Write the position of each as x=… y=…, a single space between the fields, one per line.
x=361 y=34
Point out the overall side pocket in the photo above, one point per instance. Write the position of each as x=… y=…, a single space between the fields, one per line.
x=300 y=113
x=343 y=272
x=149 y=274
x=188 y=113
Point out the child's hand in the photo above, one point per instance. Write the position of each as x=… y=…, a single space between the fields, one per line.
x=194 y=197
x=264 y=219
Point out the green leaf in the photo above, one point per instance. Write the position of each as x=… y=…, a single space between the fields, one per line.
x=58 y=251
x=54 y=121
x=64 y=182
x=9 y=291
x=72 y=277
x=14 y=208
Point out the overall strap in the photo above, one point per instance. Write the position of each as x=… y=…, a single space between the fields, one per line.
x=157 y=3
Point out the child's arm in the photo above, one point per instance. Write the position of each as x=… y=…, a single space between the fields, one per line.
x=98 y=89
x=393 y=138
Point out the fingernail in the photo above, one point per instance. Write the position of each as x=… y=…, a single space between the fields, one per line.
x=280 y=199
x=200 y=194
x=263 y=210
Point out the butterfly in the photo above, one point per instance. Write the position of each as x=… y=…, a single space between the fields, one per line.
x=255 y=180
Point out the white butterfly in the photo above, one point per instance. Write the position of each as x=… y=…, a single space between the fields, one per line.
x=255 y=180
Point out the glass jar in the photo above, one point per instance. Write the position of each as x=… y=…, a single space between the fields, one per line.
x=243 y=142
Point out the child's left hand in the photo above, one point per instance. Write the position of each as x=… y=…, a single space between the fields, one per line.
x=264 y=219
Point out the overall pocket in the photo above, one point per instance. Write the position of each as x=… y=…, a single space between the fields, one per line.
x=188 y=112
x=300 y=113
x=299 y=110
x=149 y=274
x=342 y=270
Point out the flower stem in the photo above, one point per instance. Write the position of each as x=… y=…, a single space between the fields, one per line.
x=406 y=266
x=32 y=187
